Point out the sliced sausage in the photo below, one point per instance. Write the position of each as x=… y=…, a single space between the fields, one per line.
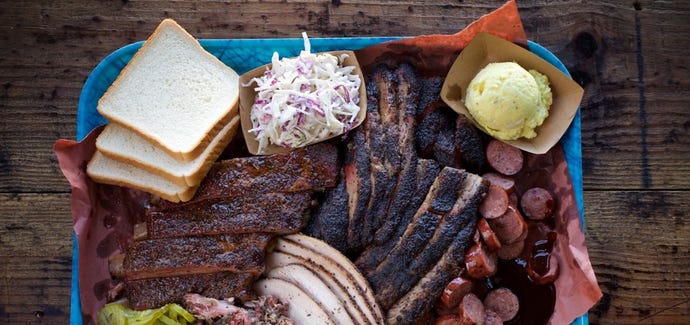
x=503 y=302
x=441 y=308
x=509 y=227
x=471 y=310
x=504 y=158
x=514 y=199
x=505 y=182
x=488 y=235
x=537 y=203
x=448 y=319
x=479 y=262
x=455 y=290
x=494 y=203
x=477 y=237
x=492 y=318
x=511 y=251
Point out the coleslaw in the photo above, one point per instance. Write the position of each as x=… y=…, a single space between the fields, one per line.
x=303 y=100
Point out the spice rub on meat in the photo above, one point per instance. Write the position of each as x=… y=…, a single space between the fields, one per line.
x=215 y=244
x=405 y=207
x=238 y=214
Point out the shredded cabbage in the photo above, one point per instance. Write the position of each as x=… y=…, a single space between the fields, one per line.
x=303 y=100
x=116 y=313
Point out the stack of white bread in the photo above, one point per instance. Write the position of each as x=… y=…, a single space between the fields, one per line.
x=172 y=111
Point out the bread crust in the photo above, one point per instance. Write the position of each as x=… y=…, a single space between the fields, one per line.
x=183 y=195
x=232 y=109
x=192 y=179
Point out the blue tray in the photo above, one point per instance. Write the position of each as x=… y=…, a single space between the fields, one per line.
x=246 y=54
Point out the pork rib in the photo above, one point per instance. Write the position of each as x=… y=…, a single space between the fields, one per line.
x=156 y=292
x=155 y=258
x=269 y=213
x=302 y=169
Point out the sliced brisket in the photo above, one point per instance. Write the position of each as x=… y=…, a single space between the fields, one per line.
x=393 y=157
x=358 y=186
x=329 y=221
x=462 y=213
x=417 y=302
x=388 y=235
x=470 y=145
x=389 y=280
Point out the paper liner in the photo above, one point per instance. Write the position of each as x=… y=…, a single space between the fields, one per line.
x=104 y=215
x=486 y=48
x=247 y=95
x=433 y=55
x=577 y=289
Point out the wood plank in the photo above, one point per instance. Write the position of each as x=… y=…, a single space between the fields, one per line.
x=36 y=250
x=47 y=49
x=595 y=41
x=639 y=245
x=643 y=268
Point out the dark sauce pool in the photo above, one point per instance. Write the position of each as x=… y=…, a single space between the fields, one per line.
x=536 y=300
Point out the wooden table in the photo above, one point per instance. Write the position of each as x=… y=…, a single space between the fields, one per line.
x=630 y=56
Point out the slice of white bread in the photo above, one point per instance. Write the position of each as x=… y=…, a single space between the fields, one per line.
x=173 y=93
x=118 y=143
x=108 y=171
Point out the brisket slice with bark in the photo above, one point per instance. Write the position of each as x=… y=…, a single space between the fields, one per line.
x=382 y=132
x=155 y=258
x=449 y=208
x=329 y=221
x=417 y=302
x=388 y=276
x=156 y=292
x=358 y=188
x=469 y=142
x=387 y=236
x=441 y=260
x=393 y=155
x=406 y=169
x=269 y=213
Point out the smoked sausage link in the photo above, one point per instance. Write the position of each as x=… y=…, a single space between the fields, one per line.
x=449 y=319
x=471 y=310
x=479 y=262
x=511 y=251
x=504 y=158
x=509 y=227
x=488 y=235
x=505 y=182
x=492 y=318
x=503 y=302
x=494 y=203
x=455 y=290
x=537 y=203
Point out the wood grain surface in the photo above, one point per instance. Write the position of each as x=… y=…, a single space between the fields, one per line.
x=631 y=57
